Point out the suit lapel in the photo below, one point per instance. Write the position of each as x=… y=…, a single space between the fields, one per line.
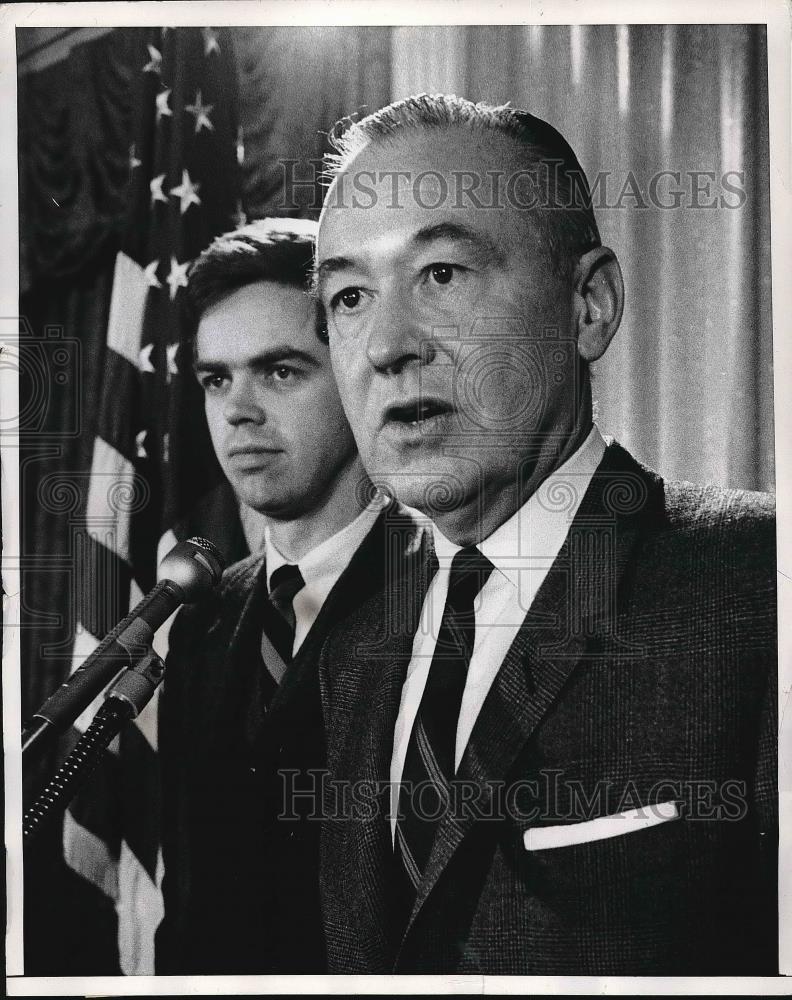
x=374 y=681
x=246 y=622
x=393 y=531
x=242 y=660
x=364 y=575
x=232 y=617
x=370 y=840
x=574 y=604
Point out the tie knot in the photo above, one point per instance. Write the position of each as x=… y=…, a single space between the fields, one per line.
x=284 y=584
x=470 y=570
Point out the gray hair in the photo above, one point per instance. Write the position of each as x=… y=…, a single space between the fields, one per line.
x=563 y=212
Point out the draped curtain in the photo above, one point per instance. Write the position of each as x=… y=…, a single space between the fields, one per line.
x=295 y=84
x=74 y=121
x=687 y=383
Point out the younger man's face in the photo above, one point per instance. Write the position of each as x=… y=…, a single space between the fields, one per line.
x=271 y=401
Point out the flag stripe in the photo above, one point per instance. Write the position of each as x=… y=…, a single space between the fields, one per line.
x=146 y=722
x=90 y=856
x=125 y=324
x=88 y=807
x=140 y=910
x=103 y=584
x=116 y=491
x=121 y=399
x=139 y=776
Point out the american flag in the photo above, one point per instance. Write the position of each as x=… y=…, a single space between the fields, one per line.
x=154 y=478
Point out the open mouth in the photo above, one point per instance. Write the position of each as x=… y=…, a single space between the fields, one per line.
x=417 y=412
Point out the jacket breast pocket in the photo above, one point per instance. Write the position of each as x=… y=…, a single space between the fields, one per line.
x=565 y=861
x=548 y=837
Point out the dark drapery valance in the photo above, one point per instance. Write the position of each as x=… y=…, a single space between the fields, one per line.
x=75 y=123
x=74 y=126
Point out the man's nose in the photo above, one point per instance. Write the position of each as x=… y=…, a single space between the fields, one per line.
x=242 y=403
x=396 y=337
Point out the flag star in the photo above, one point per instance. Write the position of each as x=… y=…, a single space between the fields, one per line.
x=201 y=112
x=141 y=448
x=210 y=41
x=155 y=186
x=144 y=358
x=154 y=65
x=150 y=271
x=186 y=192
x=133 y=160
x=162 y=104
x=170 y=351
x=178 y=276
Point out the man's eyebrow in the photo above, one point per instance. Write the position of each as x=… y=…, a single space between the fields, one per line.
x=454 y=231
x=272 y=356
x=458 y=233
x=330 y=266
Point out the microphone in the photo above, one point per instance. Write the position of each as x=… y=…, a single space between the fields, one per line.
x=189 y=572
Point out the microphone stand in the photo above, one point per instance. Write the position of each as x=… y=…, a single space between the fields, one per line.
x=188 y=573
x=124 y=701
x=123 y=647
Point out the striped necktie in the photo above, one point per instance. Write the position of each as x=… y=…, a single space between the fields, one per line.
x=279 y=620
x=429 y=763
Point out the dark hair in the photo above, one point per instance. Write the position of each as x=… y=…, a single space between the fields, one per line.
x=280 y=250
x=563 y=210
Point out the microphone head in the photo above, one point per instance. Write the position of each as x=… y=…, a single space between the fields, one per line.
x=195 y=566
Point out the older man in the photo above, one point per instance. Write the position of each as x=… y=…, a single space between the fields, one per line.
x=575 y=714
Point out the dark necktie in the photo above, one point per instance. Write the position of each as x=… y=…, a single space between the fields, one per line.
x=279 y=621
x=429 y=763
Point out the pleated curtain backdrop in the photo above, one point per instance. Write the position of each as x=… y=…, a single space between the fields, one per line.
x=687 y=383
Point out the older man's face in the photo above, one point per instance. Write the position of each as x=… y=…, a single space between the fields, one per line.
x=450 y=334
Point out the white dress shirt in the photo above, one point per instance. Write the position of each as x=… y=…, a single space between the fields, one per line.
x=321 y=567
x=522 y=550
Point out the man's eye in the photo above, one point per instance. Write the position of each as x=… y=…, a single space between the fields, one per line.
x=282 y=373
x=347 y=298
x=442 y=273
x=212 y=382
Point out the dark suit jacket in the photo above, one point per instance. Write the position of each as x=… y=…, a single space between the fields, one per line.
x=645 y=671
x=241 y=885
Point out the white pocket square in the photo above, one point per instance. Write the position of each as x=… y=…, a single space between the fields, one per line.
x=543 y=838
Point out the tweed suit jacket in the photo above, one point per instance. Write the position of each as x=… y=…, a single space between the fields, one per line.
x=241 y=885
x=644 y=673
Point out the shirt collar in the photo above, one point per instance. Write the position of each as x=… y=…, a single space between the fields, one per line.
x=332 y=555
x=540 y=526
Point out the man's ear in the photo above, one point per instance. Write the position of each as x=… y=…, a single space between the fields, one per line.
x=599 y=301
